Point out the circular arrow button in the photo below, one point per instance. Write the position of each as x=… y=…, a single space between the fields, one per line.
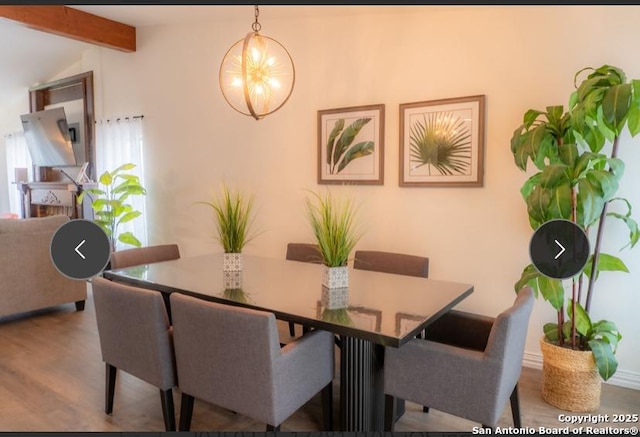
x=80 y=249
x=559 y=249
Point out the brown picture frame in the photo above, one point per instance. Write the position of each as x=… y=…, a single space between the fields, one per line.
x=359 y=159
x=456 y=159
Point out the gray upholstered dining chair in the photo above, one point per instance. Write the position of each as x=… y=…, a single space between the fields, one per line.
x=459 y=379
x=230 y=356
x=144 y=255
x=303 y=252
x=389 y=262
x=135 y=337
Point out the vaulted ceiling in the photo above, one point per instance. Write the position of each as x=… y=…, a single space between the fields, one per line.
x=36 y=47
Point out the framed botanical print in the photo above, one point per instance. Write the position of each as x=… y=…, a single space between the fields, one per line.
x=442 y=142
x=351 y=145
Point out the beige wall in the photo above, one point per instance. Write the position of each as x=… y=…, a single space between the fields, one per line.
x=519 y=57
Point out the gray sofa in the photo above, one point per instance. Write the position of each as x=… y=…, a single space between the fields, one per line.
x=28 y=279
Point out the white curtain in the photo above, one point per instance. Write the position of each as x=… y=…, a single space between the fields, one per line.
x=120 y=141
x=18 y=156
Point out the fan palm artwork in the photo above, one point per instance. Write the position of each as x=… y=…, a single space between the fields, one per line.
x=339 y=149
x=442 y=142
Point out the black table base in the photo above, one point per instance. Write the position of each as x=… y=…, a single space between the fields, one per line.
x=361 y=385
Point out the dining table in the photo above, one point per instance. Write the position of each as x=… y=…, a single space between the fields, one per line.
x=380 y=310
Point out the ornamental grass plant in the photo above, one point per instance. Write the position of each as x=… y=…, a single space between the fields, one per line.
x=233 y=218
x=333 y=222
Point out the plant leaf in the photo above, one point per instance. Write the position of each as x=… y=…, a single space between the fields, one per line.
x=551 y=332
x=633 y=118
x=528 y=277
x=129 y=238
x=581 y=318
x=538 y=203
x=359 y=150
x=552 y=291
x=603 y=355
x=615 y=106
x=590 y=203
x=606 y=181
x=347 y=137
x=127 y=166
x=106 y=178
x=560 y=204
x=606 y=263
x=554 y=175
x=568 y=154
x=337 y=128
x=634 y=233
x=129 y=216
x=520 y=148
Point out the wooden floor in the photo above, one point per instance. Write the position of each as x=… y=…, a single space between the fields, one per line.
x=52 y=379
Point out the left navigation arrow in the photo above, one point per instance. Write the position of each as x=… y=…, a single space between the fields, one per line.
x=78 y=247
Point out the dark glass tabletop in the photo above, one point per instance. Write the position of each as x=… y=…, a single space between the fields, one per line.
x=383 y=308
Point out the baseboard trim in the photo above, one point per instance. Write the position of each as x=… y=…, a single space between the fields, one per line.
x=622 y=378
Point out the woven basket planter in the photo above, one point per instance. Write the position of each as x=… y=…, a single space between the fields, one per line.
x=570 y=379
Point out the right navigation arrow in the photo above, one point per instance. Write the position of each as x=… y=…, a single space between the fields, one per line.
x=562 y=249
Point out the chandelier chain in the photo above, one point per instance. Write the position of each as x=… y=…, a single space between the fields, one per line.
x=256 y=26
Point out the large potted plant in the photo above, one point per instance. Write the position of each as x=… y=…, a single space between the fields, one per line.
x=333 y=222
x=111 y=206
x=232 y=211
x=579 y=172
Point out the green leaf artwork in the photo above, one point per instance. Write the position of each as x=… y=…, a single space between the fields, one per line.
x=441 y=141
x=340 y=152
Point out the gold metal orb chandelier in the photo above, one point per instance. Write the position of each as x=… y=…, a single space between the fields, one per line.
x=257 y=74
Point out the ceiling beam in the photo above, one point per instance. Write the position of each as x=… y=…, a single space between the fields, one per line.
x=74 y=24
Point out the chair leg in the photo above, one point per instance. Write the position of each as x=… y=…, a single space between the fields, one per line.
x=327 y=406
x=390 y=407
x=292 y=329
x=80 y=305
x=425 y=409
x=271 y=428
x=166 y=398
x=186 y=411
x=305 y=330
x=515 y=408
x=110 y=387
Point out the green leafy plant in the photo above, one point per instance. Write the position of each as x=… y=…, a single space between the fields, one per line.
x=340 y=153
x=232 y=213
x=334 y=226
x=110 y=206
x=441 y=141
x=576 y=181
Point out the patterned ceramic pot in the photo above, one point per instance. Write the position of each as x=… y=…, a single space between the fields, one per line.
x=232 y=262
x=335 y=298
x=335 y=277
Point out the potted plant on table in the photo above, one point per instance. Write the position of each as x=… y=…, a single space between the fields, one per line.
x=578 y=181
x=110 y=203
x=333 y=222
x=234 y=225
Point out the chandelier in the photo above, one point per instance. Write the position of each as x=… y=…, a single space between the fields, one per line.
x=257 y=74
